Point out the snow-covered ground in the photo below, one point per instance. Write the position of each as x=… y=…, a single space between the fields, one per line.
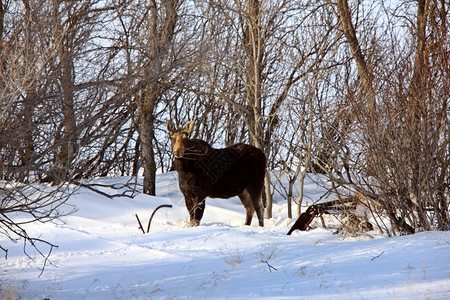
x=103 y=255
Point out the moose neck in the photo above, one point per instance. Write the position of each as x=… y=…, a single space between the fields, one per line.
x=195 y=149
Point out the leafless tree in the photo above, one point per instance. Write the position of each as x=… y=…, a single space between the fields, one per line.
x=45 y=109
x=87 y=93
x=261 y=62
x=399 y=119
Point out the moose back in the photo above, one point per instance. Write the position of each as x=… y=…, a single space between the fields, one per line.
x=203 y=172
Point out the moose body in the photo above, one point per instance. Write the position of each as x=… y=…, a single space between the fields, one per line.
x=203 y=172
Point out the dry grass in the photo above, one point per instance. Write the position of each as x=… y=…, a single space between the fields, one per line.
x=9 y=291
x=232 y=255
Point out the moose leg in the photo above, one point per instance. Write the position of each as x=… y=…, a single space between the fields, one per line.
x=255 y=198
x=249 y=215
x=247 y=202
x=195 y=209
x=190 y=207
x=197 y=214
x=260 y=214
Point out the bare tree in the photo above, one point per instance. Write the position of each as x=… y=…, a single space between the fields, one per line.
x=260 y=64
x=403 y=125
x=161 y=31
x=65 y=40
x=162 y=36
x=38 y=107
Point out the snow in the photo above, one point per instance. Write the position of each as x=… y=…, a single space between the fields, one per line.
x=103 y=255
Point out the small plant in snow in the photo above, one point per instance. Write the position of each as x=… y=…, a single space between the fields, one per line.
x=233 y=256
x=268 y=252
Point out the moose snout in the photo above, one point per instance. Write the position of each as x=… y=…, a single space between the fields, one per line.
x=178 y=153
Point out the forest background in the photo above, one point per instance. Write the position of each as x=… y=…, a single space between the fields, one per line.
x=355 y=90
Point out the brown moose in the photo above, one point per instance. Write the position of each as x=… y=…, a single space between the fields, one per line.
x=203 y=172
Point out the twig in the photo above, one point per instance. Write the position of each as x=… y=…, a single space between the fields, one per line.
x=151 y=217
x=5 y=250
x=140 y=224
x=270 y=266
x=90 y=187
x=46 y=259
x=15 y=228
x=375 y=257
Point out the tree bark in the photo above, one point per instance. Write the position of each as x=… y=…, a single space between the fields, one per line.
x=67 y=143
x=161 y=33
x=147 y=105
x=26 y=148
x=350 y=34
x=254 y=46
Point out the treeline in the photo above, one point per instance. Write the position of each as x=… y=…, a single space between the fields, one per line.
x=358 y=91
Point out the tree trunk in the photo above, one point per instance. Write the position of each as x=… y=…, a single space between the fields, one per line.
x=66 y=145
x=161 y=33
x=350 y=34
x=146 y=116
x=254 y=46
x=290 y=196
x=26 y=148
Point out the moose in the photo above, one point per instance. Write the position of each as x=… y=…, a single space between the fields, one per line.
x=204 y=171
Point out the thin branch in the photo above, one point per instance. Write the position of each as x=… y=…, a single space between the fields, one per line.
x=140 y=224
x=375 y=257
x=269 y=265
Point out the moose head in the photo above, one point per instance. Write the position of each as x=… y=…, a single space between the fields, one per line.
x=179 y=137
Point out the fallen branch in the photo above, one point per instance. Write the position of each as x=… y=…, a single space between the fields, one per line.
x=270 y=266
x=151 y=218
x=375 y=257
x=140 y=224
x=329 y=207
x=305 y=219
x=150 y=221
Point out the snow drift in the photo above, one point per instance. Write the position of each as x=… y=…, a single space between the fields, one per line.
x=103 y=255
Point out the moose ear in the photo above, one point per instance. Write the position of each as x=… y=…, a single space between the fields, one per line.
x=170 y=126
x=189 y=127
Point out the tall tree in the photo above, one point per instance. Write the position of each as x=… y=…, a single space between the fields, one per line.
x=249 y=32
x=403 y=135
x=65 y=20
x=160 y=29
